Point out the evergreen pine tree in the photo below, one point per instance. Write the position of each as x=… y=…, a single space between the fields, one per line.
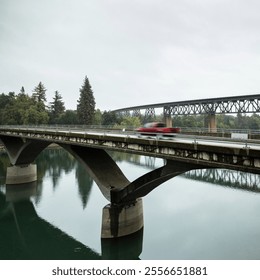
x=22 y=91
x=86 y=103
x=57 y=107
x=39 y=93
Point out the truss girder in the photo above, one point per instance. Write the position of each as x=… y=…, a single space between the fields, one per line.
x=150 y=112
x=125 y=113
x=219 y=107
x=198 y=107
x=136 y=113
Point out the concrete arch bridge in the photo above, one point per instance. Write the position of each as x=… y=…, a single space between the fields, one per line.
x=124 y=214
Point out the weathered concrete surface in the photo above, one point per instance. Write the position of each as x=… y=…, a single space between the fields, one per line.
x=212 y=123
x=20 y=174
x=168 y=121
x=121 y=221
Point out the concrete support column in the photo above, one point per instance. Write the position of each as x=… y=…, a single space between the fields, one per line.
x=168 y=121
x=20 y=174
x=118 y=221
x=212 y=123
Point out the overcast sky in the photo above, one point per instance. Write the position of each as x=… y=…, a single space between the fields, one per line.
x=134 y=52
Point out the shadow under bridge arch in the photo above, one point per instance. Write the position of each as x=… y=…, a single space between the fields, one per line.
x=113 y=183
x=22 y=151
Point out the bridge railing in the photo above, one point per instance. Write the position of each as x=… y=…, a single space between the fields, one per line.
x=218 y=132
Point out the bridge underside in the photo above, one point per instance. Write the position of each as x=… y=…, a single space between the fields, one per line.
x=102 y=168
x=124 y=215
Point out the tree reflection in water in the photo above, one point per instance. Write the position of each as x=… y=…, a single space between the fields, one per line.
x=25 y=235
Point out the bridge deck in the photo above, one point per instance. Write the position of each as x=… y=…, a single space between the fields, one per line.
x=213 y=152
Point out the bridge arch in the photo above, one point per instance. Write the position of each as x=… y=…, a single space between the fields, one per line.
x=22 y=151
x=102 y=168
x=124 y=214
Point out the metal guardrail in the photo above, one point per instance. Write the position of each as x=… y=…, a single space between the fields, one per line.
x=186 y=132
x=131 y=128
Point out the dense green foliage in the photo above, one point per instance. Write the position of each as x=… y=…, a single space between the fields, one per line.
x=25 y=109
x=22 y=109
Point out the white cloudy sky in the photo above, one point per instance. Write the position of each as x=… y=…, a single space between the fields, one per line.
x=134 y=52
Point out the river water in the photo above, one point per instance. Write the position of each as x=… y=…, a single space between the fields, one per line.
x=200 y=215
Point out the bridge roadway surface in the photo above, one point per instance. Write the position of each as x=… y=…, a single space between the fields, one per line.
x=235 y=143
x=171 y=138
x=176 y=138
x=211 y=152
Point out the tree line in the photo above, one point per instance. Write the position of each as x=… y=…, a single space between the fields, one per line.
x=32 y=109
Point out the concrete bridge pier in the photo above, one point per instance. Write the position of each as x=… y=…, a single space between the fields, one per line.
x=212 y=123
x=167 y=116
x=20 y=174
x=118 y=219
x=168 y=121
x=22 y=153
x=122 y=220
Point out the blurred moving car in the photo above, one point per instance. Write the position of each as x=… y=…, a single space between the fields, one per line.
x=155 y=128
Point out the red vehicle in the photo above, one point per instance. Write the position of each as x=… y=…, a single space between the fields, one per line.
x=155 y=128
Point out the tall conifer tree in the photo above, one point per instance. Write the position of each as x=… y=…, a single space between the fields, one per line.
x=86 y=103
x=57 y=107
x=39 y=93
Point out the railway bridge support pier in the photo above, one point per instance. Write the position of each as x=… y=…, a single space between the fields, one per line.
x=212 y=122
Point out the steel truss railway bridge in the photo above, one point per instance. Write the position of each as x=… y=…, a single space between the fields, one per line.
x=209 y=107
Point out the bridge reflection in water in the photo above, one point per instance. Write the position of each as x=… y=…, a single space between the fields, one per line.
x=227 y=178
x=223 y=177
x=25 y=235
